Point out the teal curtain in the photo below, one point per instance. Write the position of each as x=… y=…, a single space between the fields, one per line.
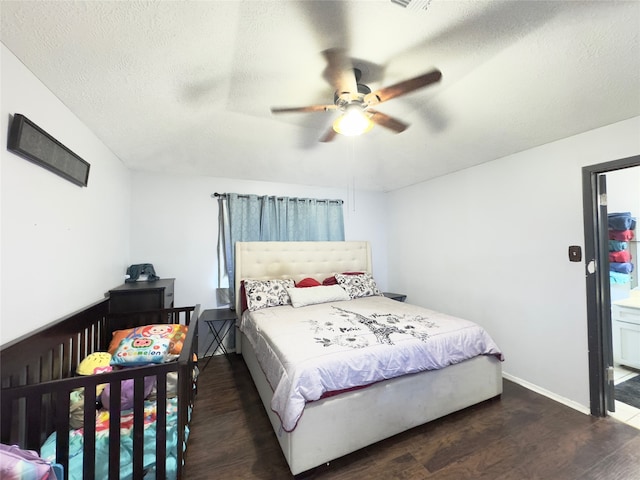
x=253 y=218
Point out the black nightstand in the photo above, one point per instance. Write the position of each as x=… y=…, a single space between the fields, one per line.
x=226 y=320
x=400 y=297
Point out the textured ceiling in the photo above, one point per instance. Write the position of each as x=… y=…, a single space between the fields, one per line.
x=187 y=87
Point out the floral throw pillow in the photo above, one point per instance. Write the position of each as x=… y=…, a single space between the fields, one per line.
x=267 y=293
x=357 y=286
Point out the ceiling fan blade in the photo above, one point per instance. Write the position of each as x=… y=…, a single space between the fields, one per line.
x=309 y=108
x=386 y=121
x=339 y=72
x=330 y=135
x=403 y=87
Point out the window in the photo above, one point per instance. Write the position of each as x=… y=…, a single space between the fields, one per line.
x=251 y=218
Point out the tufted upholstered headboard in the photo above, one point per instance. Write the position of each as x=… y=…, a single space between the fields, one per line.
x=297 y=260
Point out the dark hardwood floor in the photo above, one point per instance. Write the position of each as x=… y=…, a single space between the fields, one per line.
x=522 y=435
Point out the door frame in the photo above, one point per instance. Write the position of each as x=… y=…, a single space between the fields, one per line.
x=598 y=295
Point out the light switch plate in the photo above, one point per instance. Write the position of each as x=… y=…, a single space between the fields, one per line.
x=575 y=253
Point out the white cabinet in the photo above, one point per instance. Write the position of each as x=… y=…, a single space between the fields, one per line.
x=625 y=316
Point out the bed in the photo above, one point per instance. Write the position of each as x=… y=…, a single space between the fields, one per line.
x=348 y=419
x=52 y=406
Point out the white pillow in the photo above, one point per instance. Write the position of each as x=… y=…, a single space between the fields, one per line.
x=301 y=297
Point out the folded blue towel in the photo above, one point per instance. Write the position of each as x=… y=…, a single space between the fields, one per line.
x=617 y=245
x=621 y=221
x=621 y=267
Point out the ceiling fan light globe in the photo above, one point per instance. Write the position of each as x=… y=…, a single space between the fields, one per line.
x=353 y=122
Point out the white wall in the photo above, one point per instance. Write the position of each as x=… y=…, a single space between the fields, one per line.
x=623 y=191
x=174 y=226
x=62 y=246
x=490 y=244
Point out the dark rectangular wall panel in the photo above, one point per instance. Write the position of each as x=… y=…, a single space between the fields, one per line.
x=29 y=141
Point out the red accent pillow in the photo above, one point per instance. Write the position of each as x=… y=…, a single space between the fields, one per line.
x=243 y=298
x=332 y=279
x=308 y=282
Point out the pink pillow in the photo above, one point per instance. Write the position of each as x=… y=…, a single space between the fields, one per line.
x=18 y=463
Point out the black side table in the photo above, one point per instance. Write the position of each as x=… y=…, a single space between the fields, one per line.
x=226 y=320
x=400 y=297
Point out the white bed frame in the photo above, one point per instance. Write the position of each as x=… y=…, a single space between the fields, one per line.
x=338 y=425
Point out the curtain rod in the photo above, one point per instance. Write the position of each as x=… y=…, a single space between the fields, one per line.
x=224 y=195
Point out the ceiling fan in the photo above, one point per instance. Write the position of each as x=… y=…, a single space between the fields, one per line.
x=355 y=100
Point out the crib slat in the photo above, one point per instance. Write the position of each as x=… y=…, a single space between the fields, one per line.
x=62 y=404
x=89 y=437
x=45 y=367
x=138 y=426
x=82 y=348
x=65 y=354
x=12 y=422
x=48 y=415
x=74 y=353
x=6 y=419
x=56 y=362
x=114 y=430
x=33 y=412
x=93 y=339
x=161 y=425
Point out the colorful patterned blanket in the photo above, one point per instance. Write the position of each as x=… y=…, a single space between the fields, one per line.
x=76 y=443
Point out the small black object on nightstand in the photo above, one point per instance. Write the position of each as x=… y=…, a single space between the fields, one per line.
x=227 y=318
x=400 y=297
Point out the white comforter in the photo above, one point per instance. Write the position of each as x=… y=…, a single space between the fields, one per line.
x=309 y=351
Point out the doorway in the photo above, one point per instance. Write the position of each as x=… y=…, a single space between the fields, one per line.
x=601 y=364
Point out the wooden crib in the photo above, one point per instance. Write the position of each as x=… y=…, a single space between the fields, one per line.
x=39 y=374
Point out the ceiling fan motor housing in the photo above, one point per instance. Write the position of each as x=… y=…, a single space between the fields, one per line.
x=342 y=99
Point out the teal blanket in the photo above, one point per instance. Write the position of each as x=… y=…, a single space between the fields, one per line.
x=76 y=442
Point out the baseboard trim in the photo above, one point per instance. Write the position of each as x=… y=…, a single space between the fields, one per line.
x=542 y=391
